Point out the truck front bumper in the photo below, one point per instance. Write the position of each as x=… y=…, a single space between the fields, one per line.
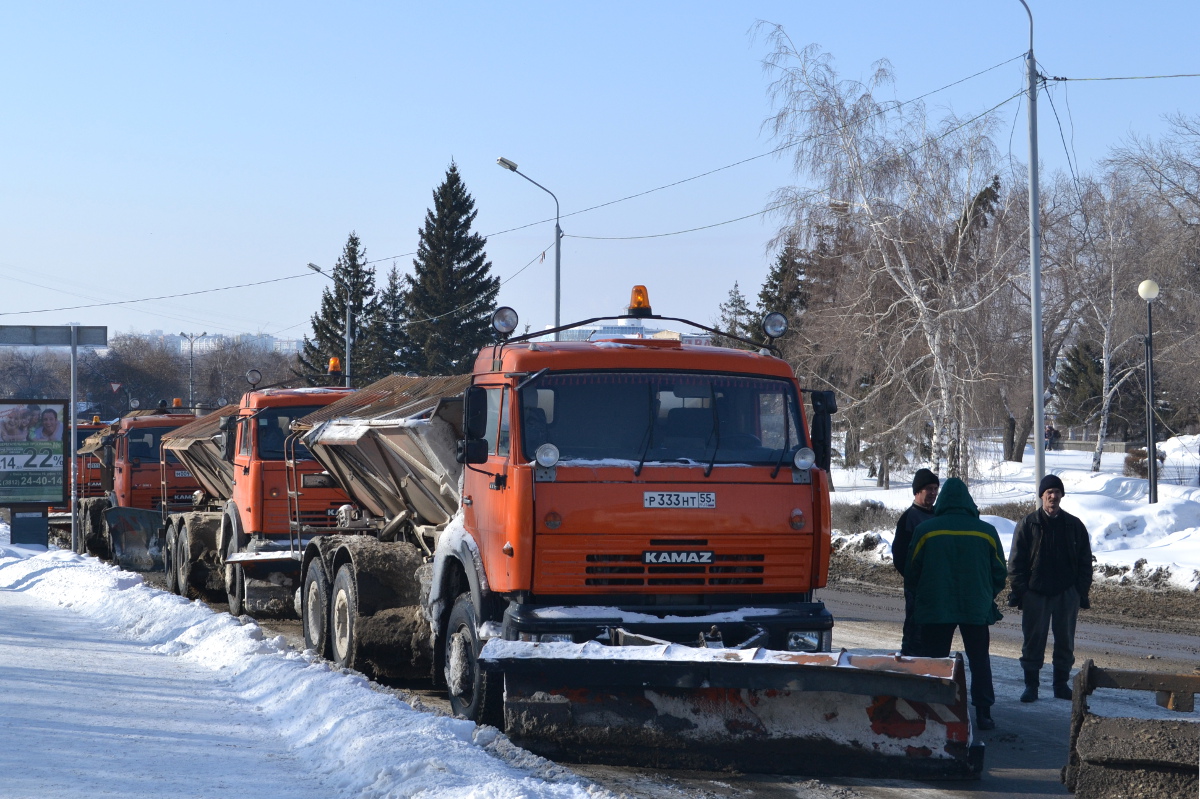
x=793 y=626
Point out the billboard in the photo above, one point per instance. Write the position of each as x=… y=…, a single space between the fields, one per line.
x=32 y=466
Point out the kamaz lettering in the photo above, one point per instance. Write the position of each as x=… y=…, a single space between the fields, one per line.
x=677 y=557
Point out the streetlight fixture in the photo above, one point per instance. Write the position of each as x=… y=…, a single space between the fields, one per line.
x=349 y=318
x=1148 y=291
x=512 y=167
x=191 y=337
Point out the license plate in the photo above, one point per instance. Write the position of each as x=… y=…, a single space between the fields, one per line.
x=679 y=499
x=182 y=474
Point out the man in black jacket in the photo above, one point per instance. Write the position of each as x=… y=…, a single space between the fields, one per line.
x=1050 y=568
x=925 y=490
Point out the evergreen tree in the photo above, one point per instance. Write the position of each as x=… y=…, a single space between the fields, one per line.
x=735 y=319
x=329 y=323
x=784 y=289
x=385 y=332
x=451 y=295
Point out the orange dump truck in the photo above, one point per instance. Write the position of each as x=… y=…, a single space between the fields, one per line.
x=123 y=523
x=246 y=527
x=610 y=549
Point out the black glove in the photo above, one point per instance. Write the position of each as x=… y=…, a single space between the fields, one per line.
x=1084 y=602
x=1015 y=599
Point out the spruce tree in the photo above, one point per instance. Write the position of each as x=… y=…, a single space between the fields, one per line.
x=784 y=289
x=450 y=297
x=385 y=332
x=735 y=319
x=329 y=323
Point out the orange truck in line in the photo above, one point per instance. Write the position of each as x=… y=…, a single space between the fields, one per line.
x=244 y=530
x=123 y=523
x=610 y=549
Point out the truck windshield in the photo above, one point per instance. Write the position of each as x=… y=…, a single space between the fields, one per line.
x=661 y=417
x=143 y=443
x=272 y=427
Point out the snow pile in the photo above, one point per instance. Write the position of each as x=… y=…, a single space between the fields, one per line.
x=1134 y=542
x=361 y=742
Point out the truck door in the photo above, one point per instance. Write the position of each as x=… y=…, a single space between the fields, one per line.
x=487 y=484
x=122 y=479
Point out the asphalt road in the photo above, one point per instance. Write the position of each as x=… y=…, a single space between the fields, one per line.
x=1025 y=752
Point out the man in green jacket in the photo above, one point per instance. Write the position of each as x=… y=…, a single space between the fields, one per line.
x=956 y=567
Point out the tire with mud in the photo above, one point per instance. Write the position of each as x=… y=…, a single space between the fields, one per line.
x=235 y=580
x=474 y=694
x=169 y=554
x=315 y=608
x=343 y=619
x=183 y=561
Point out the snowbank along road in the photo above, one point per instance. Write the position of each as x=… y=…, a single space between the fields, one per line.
x=141 y=693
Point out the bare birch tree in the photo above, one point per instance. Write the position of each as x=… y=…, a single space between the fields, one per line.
x=922 y=202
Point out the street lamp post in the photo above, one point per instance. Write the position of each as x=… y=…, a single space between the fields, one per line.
x=1148 y=291
x=191 y=337
x=349 y=317
x=512 y=167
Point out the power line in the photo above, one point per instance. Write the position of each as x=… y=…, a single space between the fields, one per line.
x=779 y=205
x=1132 y=77
x=781 y=148
x=151 y=299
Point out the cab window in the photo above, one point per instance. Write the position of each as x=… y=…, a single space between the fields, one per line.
x=497 y=435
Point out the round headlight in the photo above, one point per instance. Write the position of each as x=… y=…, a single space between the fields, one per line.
x=774 y=324
x=504 y=320
x=804 y=458
x=546 y=455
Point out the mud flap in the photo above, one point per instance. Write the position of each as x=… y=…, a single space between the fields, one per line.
x=767 y=712
x=136 y=538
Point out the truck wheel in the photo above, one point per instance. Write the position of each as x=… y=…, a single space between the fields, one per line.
x=315 y=608
x=343 y=619
x=169 y=552
x=474 y=693
x=235 y=580
x=183 y=560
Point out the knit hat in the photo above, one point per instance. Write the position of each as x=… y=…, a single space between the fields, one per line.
x=1048 y=482
x=923 y=478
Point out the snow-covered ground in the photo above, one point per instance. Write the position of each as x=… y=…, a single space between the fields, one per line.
x=1131 y=538
x=137 y=692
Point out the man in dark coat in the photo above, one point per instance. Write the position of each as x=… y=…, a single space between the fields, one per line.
x=925 y=489
x=955 y=570
x=1051 y=569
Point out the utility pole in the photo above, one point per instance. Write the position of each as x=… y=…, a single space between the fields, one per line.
x=191 y=337
x=1035 y=267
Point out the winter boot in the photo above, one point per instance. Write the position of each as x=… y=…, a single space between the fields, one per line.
x=1031 y=686
x=983 y=718
x=1062 y=686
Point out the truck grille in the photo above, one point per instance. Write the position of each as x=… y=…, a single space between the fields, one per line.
x=629 y=570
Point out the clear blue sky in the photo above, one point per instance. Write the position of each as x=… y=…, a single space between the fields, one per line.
x=157 y=148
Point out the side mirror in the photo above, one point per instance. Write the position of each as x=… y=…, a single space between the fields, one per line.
x=475 y=413
x=226 y=422
x=227 y=441
x=105 y=455
x=472 y=450
x=824 y=405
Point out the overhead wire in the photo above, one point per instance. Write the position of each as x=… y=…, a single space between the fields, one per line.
x=890 y=106
x=784 y=203
x=781 y=148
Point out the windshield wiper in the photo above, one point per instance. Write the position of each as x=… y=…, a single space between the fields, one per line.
x=649 y=433
x=712 y=395
x=787 y=436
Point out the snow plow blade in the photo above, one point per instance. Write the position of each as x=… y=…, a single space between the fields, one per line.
x=761 y=711
x=136 y=537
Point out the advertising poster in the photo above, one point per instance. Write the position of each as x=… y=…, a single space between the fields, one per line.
x=32 y=467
